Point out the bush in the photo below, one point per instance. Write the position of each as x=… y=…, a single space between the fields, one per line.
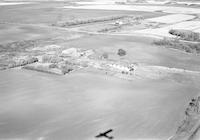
x=23 y=62
x=104 y=56
x=91 y=20
x=186 y=35
x=32 y=60
x=12 y=65
x=66 y=69
x=121 y=52
x=166 y=42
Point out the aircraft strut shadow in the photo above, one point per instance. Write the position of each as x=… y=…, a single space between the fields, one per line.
x=104 y=134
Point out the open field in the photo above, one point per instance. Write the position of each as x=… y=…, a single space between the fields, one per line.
x=145 y=8
x=104 y=72
x=183 y=18
x=51 y=13
x=130 y=108
x=12 y=3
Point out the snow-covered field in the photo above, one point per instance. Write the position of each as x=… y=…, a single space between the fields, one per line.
x=187 y=25
x=175 y=2
x=12 y=3
x=188 y=3
x=145 y=8
x=172 y=18
x=96 y=2
x=157 y=2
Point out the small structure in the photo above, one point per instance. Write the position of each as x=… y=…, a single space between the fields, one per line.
x=72 y=52
x=119 y=22
x=77 y=52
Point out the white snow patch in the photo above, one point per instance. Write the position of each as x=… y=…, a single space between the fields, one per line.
x=96 y=2
x=45 y=48
x=188 y=3
x=158 y=32
x=157 y=2
x=41 y=138
x=197 y=30
x=77 y=52
x=172 y=18
x=72 y=52
x=187 y=25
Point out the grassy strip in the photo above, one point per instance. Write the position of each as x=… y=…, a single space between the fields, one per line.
x=18 y=46
x=105 y=30
x=80 y=22
x=43 y=69
x=189 y=128
x=23 y=62
x=52 y=68
x=188 y=47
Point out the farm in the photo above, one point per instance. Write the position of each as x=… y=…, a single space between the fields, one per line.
x=73 y=69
